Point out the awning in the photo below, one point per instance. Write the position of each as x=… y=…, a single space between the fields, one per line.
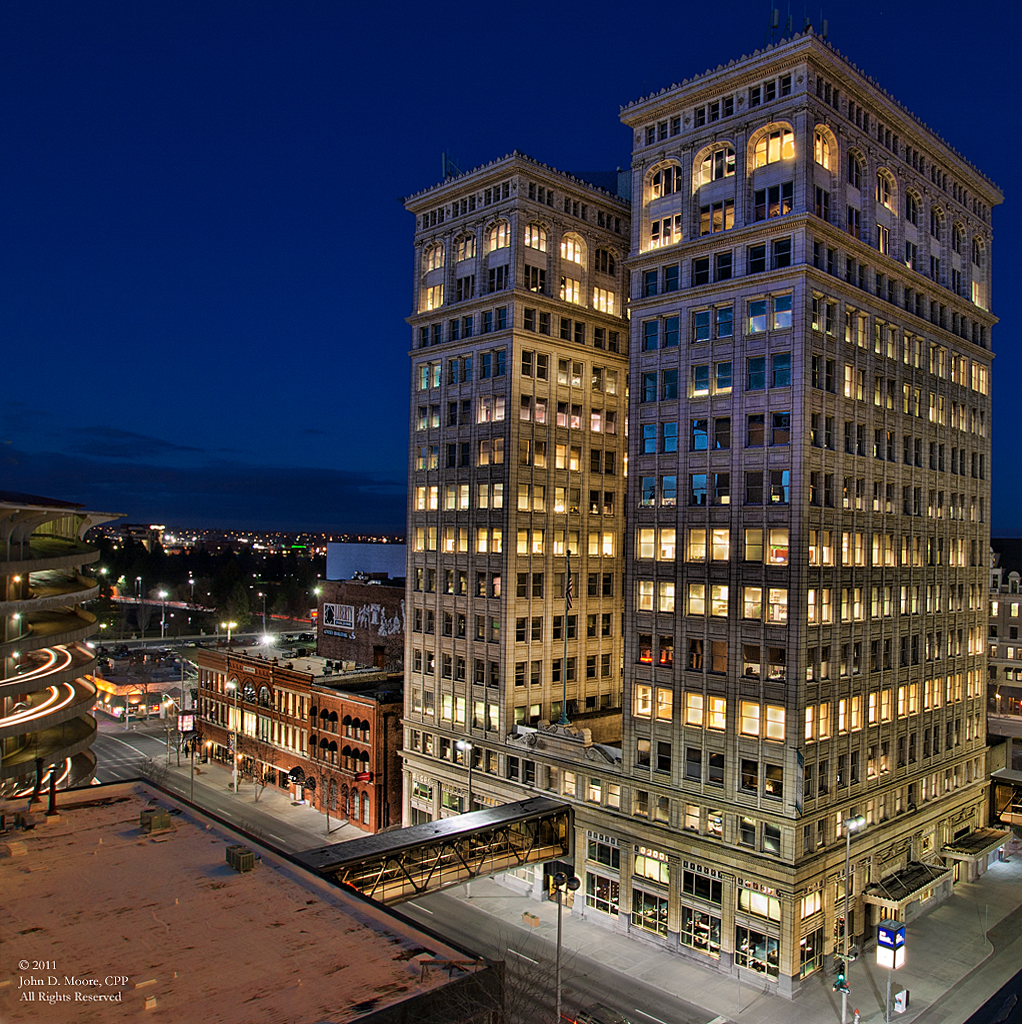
x=899 y=889
x=976 y=844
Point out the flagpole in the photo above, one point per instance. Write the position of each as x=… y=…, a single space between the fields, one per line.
x=564 y=664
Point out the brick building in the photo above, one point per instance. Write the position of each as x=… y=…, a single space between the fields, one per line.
x=342 y=729
x=362 y=622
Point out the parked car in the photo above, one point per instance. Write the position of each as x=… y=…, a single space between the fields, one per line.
x=307 y=638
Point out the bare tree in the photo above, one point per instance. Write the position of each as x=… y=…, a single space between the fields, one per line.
x=142 y=679
x=143 y=616
x=153 y=771
x=257 y=765
x=523 y=995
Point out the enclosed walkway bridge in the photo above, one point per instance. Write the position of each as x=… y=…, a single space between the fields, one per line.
x=399 y=865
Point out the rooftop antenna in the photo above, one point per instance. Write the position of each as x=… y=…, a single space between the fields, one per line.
x=448 y=169
x=772 y=26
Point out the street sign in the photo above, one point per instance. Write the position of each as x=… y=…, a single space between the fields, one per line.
x=890 y=945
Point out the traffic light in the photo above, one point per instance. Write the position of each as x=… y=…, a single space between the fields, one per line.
x=841 y=984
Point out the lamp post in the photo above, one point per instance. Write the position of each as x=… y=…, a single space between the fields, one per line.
x=466 y=747
x=163 y=616
x=263 y=596
x=228 y=626
x=231 y=685
x=851 y=825
x=138 y=600
x=561 y=881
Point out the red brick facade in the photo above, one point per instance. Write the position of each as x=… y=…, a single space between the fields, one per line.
x=342 y=730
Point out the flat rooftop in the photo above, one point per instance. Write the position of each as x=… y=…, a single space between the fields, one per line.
x=107 y=910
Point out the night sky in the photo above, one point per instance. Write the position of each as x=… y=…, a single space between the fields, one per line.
x=205 y=264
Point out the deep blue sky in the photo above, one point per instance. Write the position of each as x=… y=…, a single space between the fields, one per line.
x=205 y=266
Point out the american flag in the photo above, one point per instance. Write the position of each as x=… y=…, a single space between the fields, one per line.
x=567 y=589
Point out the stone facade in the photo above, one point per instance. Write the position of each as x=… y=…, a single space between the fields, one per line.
x=805 y=599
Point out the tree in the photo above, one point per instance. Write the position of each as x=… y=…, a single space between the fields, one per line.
x=257 y=765
x=143 y=616
x=235 y=606
x=522 y=996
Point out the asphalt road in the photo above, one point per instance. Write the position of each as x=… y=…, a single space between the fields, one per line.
x=531 y=959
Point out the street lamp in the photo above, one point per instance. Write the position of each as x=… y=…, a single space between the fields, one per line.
x=231 y=685
x=561 y=881
x=228 y=626
x=263 y=596
x=163 y=617
x=466 y=747
x=851 y=825
x=138 y=601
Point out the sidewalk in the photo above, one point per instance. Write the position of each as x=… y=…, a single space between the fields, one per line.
x=943 y=948
x=959 y=953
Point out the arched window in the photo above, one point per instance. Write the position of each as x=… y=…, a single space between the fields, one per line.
x=365 y=808
x=572 y=249
x=605 y=262
x=466 y=247
x=822 y=151
x=854 y=169
x=885 y=190
x=912 y=208
x=432 y=257
x=936 y=222
x=499 y=236
x=353 y=816
x=249 y=694
x=957 y=235
x=346 y=722
x=712 y=164
x=665 y=181
x=535 y=237
x=264 y=697
x=773 y=143
x=977 y=251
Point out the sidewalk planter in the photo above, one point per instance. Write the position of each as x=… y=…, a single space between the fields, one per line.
x=530 y=919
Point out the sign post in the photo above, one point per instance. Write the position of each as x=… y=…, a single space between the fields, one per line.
x=890 y=953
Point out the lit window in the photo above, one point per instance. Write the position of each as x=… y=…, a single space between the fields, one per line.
x=499 y=236
x=535 y=237
x=433 y=257
x=719 y=163
x=776 y=144
x=571 y=250
x=821 y=149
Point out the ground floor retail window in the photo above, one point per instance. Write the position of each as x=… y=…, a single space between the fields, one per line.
x=420 y=817
x=811 y=953
x=756 y=951
x=649 y=911
x=700 y=931
x=602 y=894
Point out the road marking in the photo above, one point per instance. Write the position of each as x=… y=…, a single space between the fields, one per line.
x=423 y=909
x=716 y=1020
x=272 y=836
x=123 y=743
x=522 y=955
x=659 y=1021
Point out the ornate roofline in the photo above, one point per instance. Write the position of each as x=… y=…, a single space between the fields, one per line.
x=511 y=157
x=813 y=40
